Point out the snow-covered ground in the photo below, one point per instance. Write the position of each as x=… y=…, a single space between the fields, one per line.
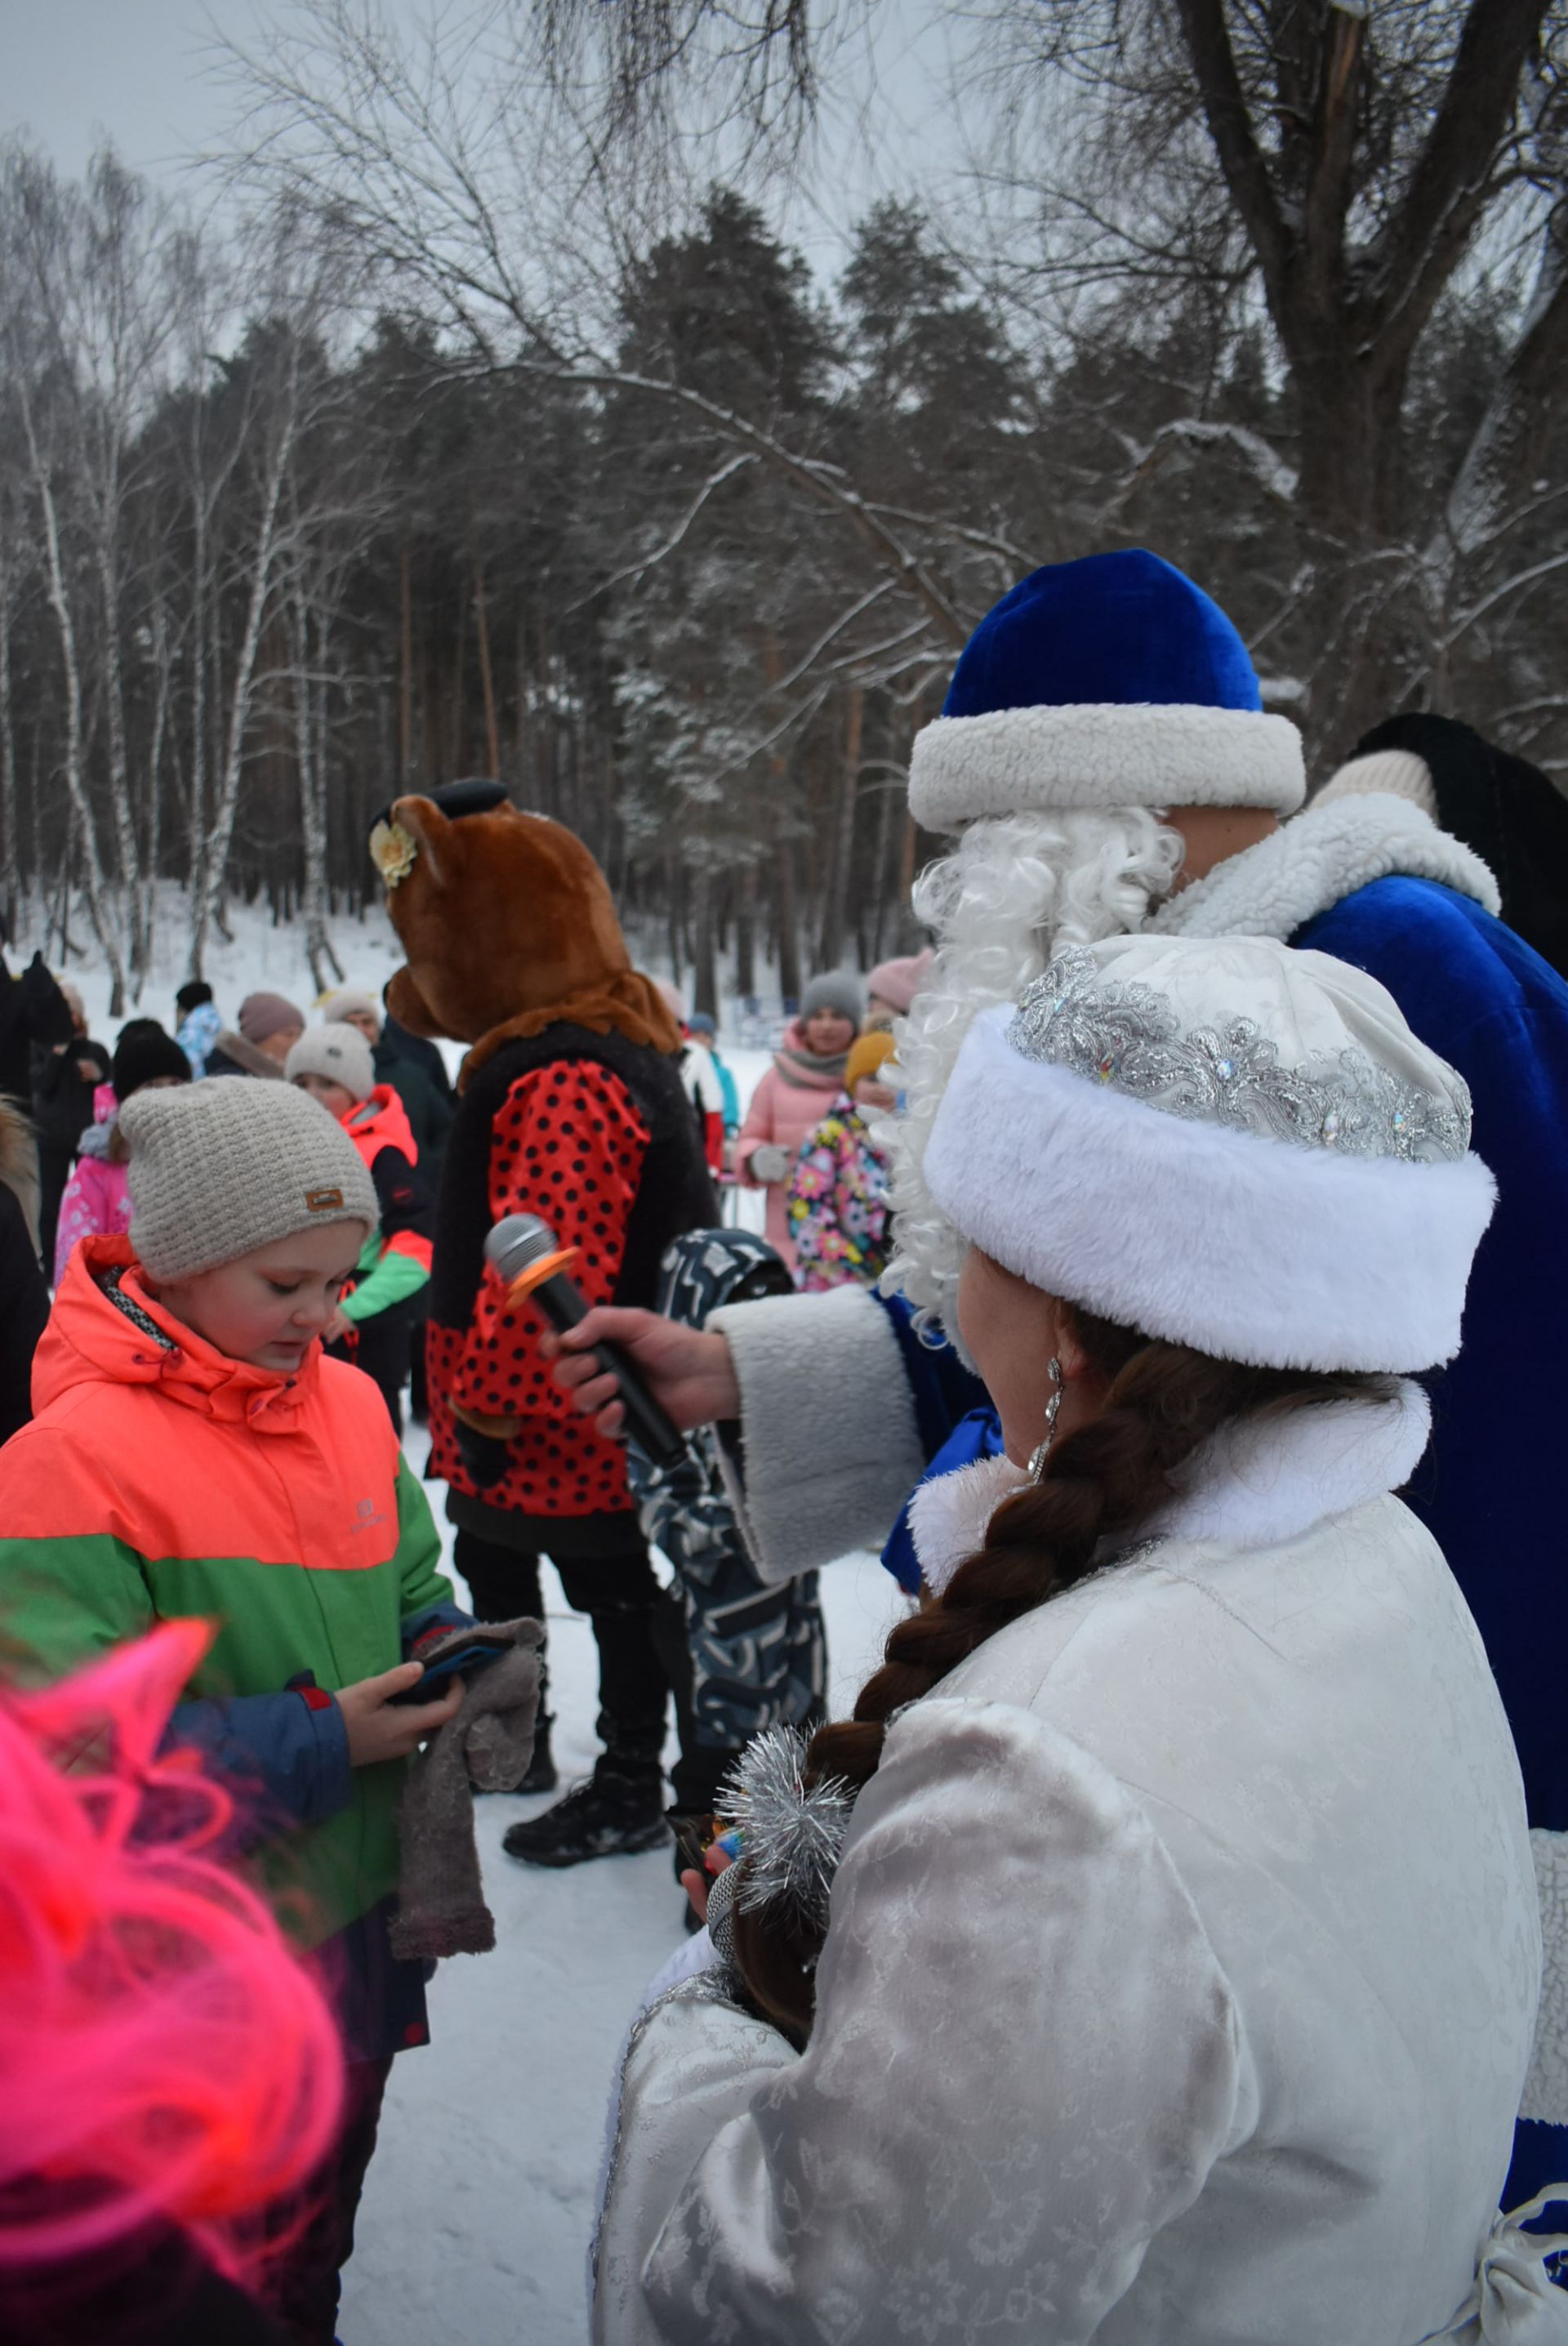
x=478 y=2208
x=476 y=2215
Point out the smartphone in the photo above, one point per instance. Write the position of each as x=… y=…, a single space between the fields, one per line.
x=695 y=1830
x=467 y=1658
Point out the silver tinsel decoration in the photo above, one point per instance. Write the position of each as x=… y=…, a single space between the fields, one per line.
x=791 y=1837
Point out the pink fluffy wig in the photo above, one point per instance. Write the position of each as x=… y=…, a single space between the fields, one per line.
x=163 y=2057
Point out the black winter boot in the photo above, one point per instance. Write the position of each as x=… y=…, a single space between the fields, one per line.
x=540 y=1776
x=616 y=1813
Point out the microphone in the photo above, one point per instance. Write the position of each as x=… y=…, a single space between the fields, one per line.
x=537 y=1270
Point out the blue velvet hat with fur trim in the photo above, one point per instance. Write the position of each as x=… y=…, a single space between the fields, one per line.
x=1109 y=682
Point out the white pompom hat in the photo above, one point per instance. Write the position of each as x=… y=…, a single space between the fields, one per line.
x=1223 y=1143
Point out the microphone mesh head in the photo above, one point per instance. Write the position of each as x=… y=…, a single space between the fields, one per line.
x=517 y=1243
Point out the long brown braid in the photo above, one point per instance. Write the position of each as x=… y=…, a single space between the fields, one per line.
x=1165 y=1401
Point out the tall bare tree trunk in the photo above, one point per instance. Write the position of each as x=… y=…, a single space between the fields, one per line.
x=10 y=859
x=745 y=935
x=105 y=558
x=876 y=927
x=842 y=837
x=486 y=677
x=75 y=777
x=405 y=668
x=309 y=699
x=208 y=886
x=459 y=710
x=162 y=665
x=786 y=921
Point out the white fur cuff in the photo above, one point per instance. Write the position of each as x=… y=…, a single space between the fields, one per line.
x=1012 y=760
x=1250 y=1249
x=1546 y=2087
x=827 y=1417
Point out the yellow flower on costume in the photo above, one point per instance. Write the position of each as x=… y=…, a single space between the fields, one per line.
x=393 y=851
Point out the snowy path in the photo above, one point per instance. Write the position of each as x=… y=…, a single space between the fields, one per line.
x=476 y=2215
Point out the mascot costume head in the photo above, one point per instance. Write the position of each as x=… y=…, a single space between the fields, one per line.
x=508 y=926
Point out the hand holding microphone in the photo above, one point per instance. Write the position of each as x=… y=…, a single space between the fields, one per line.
x=537 y=1270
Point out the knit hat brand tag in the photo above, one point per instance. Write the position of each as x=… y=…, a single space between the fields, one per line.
x=323 y=1201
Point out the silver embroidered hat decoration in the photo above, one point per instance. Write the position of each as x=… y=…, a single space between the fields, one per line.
x=1128 y=1035
x=1224 y=1143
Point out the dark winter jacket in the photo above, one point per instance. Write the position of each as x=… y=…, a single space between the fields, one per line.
x=757 y=1649
x=398 y=1047
x=1512 y=815
x=236 y=1056
x=23 y=1311
x=593 y=1133
x=62 y=1095
x=429 y=1109
x=32 y=1010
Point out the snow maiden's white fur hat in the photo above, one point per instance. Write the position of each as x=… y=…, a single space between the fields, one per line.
x=1223 y=1143
x=1113 y=681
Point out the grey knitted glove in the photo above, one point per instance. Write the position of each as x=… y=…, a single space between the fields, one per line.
x=441 y=1900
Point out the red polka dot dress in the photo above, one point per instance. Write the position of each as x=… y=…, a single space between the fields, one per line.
x=569 y=1144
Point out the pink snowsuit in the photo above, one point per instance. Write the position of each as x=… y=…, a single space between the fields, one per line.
x=786 y=1106
x=96 y=1204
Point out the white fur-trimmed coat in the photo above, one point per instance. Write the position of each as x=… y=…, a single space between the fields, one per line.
x=1181 y=1976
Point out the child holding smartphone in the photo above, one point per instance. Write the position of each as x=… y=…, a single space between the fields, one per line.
x=193 y=1454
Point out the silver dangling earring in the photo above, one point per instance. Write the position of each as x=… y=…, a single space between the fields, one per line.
x=1042 y=1450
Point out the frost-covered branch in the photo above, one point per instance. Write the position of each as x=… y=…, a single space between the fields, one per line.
x=676 y=537
x=1272 y=475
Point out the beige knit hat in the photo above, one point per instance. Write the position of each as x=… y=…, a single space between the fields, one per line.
x=1398 y=772
x=346 y=1000
x=338 y=1053
x=218 y=1168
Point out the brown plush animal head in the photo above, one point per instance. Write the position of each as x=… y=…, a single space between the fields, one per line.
x=503 y=916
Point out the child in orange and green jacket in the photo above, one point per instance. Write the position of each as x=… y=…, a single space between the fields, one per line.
x=193 y=1454
x=374 y=1320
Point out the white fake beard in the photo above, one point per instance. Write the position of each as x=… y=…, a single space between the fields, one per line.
x=1016 y=890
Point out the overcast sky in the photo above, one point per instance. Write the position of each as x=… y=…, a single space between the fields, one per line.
x=71 y=70
x=141 y=72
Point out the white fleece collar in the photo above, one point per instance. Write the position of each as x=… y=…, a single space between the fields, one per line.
x=1259 y=1483
x=1319 y=859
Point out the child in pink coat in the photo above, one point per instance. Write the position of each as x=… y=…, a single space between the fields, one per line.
x=96 y=1202
x=805 y=1079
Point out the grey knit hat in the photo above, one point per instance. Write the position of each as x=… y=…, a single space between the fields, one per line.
x=837 y=989
x=339 y=1053
x=218 y=1169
